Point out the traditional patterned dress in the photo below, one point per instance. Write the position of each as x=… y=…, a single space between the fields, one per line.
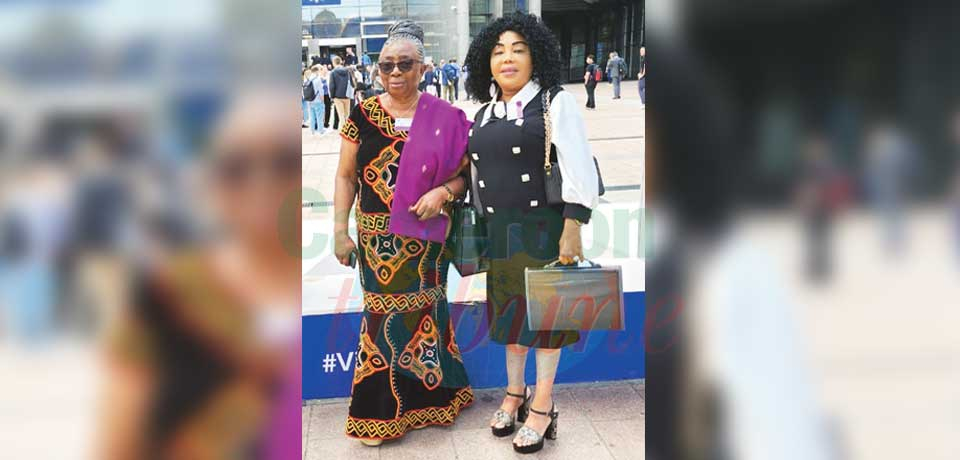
x=409 y=372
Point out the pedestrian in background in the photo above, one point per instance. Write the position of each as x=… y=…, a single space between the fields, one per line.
x=615 y=69
x=316 y=104
x=590 y=79
x=304 y=104
x=642 y=76
x=351 y=59
x=456 y=79
x=327 y=101
x=341 y=89
x=448 y=73
x=429 y=78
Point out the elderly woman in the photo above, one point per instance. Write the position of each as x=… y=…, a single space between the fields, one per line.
x=400 y=158
x=515 y=68
x=212 y=331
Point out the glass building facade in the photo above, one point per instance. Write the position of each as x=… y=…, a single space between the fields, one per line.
x=597 y=29
x=331 y=25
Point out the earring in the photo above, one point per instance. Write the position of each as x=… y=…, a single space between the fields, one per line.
x=493 y=89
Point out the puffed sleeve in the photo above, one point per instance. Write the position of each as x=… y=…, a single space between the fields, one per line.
x=580 y=182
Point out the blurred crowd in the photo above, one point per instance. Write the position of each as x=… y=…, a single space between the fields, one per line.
x=803 y=203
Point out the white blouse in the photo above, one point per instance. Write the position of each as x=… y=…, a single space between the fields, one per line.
x=569 y=135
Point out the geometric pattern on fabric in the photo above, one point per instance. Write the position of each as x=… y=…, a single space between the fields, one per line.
x=401 y=303
x=386 y=253
x=380 y=172
x=422 y=354
x=369 y=358
x=388 y=429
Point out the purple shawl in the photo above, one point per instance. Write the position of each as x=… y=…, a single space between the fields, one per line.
x=435 y=147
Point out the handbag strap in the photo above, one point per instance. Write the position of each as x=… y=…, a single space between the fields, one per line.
x=548 y=130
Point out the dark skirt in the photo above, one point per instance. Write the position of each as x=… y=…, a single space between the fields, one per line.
x=520 y=239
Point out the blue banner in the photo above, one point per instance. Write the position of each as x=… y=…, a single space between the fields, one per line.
x=330 y=343
x=319 y=2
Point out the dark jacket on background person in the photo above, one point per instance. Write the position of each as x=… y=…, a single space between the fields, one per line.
x=339 y=80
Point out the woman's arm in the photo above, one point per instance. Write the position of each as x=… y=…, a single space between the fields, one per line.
x=345 y=192
x=580 y=188
x=430 y=204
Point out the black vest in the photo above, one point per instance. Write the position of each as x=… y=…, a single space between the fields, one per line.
x=508 y=156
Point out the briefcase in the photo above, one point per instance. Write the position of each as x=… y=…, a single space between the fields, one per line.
x=574 y=298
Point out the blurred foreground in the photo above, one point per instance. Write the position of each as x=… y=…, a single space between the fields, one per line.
x=149 y=220
x=804 y=229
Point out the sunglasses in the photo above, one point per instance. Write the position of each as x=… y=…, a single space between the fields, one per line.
x=405 y=66
x=236 y=168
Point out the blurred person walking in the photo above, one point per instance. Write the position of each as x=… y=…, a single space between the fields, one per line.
x=822 y=193
x=409 y=372
x=642 y=76
x=34 y=213
x=341 y=90
x=616 y=71
x=515 y=69
x=212 y=331
x=890 y=165
x=590 y=79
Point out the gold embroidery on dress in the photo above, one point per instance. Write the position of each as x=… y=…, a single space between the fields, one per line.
x=387 y=252
x=369 y=358
x=387 y=429
x=381 y=172
x=403 y=303
x=422 y=355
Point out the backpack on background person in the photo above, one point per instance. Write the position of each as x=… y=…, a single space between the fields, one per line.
x=309 y=92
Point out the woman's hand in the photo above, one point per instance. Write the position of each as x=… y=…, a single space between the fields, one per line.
x=343 y=246
x=430 y=204
x=571 y=247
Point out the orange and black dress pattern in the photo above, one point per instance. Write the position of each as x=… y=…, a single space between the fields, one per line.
x=409 y=372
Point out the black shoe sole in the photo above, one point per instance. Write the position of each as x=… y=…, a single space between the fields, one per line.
x=503 y=432
x=528 y=449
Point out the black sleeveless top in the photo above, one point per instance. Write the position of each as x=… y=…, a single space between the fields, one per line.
x=508 y=156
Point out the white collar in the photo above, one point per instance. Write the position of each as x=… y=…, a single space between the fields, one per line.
x=523 y=97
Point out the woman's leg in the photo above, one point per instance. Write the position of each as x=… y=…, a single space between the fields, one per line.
x=516 y=362
x=547 y=361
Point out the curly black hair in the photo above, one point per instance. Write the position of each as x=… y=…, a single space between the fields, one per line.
x=544 y=51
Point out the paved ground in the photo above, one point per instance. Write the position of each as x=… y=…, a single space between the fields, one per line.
x=881 y=337
x=597 y=422
x=615 y=130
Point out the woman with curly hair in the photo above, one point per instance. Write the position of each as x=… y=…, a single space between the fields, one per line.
x=515 y=69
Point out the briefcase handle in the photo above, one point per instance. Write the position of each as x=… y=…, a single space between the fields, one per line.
x=556 y=264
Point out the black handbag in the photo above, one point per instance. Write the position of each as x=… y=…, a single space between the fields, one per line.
x=468 y=239
x=551 y=170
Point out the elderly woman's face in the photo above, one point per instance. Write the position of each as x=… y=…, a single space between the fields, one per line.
x=402 y=80
x=255 y=168
x=511 y=62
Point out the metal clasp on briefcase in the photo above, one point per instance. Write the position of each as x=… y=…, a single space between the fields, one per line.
x=571 y=297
